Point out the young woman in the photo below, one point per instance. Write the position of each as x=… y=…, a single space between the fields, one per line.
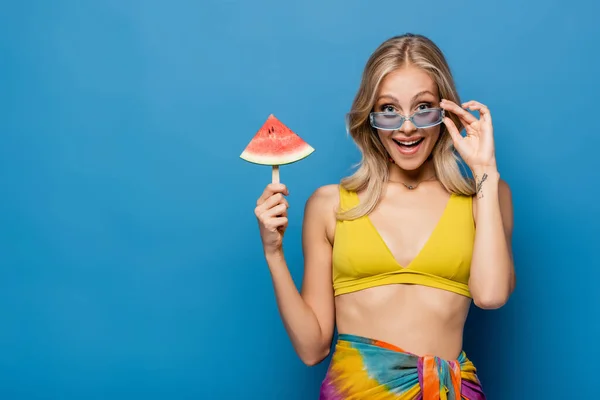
x=395 y=253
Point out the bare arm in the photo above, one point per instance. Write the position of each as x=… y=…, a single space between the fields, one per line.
x=308 y=316
x=492 y=278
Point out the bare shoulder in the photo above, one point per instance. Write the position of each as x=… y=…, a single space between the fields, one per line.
x=321 y=206
x=324 y=199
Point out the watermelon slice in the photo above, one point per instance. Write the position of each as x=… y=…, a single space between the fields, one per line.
x=275 y=144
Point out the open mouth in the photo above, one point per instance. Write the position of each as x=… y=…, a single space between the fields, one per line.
x=408 y=144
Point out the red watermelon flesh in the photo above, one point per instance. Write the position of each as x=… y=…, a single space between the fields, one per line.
x=276 y=144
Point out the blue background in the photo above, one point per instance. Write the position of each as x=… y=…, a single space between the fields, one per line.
x=131 y=264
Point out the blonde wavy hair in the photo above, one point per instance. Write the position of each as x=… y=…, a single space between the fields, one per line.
x=372 y=172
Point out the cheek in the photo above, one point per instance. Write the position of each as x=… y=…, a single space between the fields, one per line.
x=384 y=137
x=433 y=132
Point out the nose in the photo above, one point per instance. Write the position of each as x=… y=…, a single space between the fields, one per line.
x=407 y=127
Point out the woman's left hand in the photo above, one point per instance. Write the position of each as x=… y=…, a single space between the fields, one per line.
x=477 y=148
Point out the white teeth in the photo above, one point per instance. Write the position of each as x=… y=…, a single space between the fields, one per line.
x=408 y=143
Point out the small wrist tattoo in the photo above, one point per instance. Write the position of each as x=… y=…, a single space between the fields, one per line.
x=479 y=184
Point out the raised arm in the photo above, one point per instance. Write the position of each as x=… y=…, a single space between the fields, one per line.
x=308 y=315
x=492 y=268
x=492 y=277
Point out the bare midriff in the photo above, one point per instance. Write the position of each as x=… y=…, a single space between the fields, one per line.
x=418 y=319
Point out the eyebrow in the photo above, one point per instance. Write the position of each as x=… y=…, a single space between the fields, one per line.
x=389 y=96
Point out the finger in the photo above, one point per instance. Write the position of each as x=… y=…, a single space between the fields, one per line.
x=477 y=106
x=452 y=130
x=473 y=102
x=274 y=221
x=465 y=116
x=276 y=211
x=277 y=198
x=279 y=223
x=271 y=202
x=271 y=189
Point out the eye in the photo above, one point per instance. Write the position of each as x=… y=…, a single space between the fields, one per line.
x=387 y=108
x=423 y=106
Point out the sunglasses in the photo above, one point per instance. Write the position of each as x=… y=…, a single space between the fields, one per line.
x=390 y=121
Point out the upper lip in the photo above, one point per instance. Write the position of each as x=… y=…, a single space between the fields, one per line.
x=410 y=139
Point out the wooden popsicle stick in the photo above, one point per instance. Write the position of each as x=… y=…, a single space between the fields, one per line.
x=275 y=174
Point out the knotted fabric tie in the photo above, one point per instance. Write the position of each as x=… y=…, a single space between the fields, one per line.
x=439 y=379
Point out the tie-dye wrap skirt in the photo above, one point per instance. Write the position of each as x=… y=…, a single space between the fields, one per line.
x=363 y=368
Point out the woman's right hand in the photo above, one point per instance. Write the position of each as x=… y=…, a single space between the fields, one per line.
x=271 y=212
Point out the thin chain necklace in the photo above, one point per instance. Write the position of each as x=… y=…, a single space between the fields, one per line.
x=410 y=187
x=413 y=187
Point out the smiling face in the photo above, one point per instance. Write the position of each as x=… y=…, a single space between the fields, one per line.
x=406 y=91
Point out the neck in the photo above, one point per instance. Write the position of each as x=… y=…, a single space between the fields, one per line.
x=425 y=171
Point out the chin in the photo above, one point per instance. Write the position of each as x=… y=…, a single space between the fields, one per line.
x=410 y=158
x=410 y=165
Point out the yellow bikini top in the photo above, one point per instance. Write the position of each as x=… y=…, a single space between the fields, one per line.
x=361 y=259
